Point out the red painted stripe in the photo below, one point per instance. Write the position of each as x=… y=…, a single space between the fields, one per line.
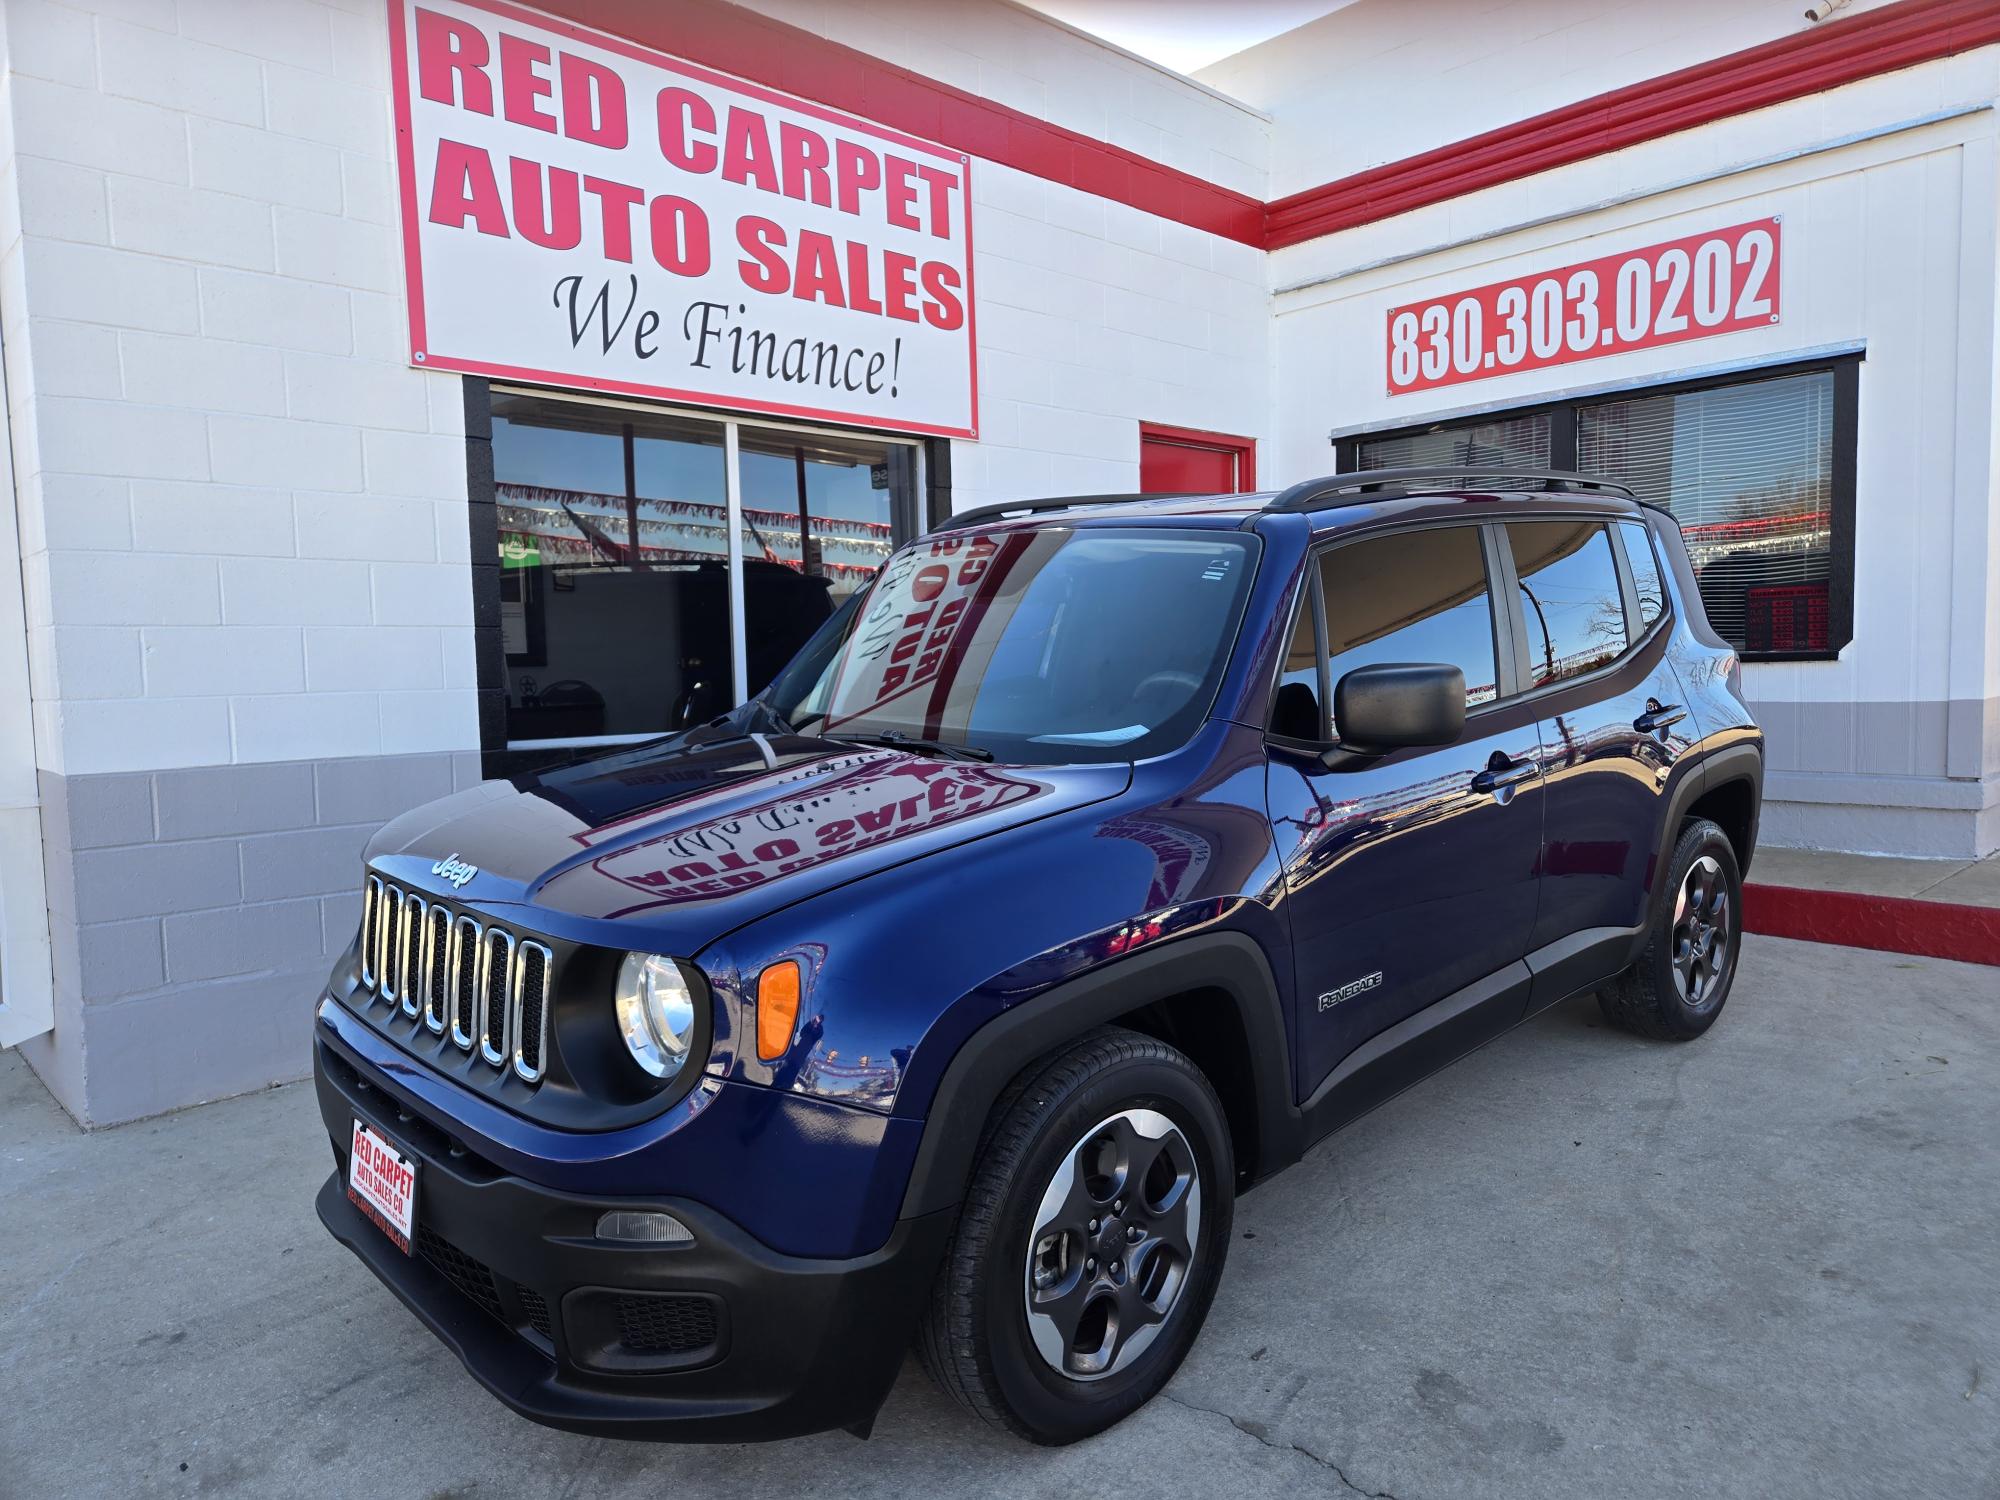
x=731 y=39
x=1879 y=41
x=1892 y=924
x=734 y=40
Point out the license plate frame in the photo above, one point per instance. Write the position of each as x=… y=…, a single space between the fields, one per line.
x=382 y=1183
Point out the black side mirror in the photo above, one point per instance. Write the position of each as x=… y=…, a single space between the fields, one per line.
x=1395 y=705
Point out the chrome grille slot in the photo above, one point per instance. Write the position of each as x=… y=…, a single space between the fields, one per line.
x=371 y=910
x=531 y=1008
x=389 y=927
x=496 y=989
x=411 y=974
x=464 y=981
x=437 y=967
x=483 y=986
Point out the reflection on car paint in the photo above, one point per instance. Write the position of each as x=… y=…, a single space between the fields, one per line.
x=872 y=803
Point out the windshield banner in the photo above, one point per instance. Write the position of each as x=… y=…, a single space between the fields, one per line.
x=922 y=617
x=581 y=211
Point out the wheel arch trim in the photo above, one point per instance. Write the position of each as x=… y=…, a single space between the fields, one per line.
x=1232 y=963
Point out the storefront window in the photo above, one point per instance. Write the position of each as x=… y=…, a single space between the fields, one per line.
x=1748 y=472
x=1758 y=469
x=1507 y=440
x=818 y=520
x=615 y=600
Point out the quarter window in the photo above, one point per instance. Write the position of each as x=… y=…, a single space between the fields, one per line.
x=1645 y=573
x=1295 y=710
x=1414 y=596
x=1571 y=605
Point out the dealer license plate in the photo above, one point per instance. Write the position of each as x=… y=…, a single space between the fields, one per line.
x=382 y=1181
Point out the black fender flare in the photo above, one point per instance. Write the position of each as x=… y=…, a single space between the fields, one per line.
x=989 y=1059
x=1717 y=768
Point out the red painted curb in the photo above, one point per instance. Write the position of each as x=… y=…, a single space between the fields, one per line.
x=1891 y=924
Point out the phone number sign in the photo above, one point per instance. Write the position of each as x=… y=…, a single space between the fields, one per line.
x=1690 y=288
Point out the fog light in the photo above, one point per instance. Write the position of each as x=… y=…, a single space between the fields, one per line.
x=637 y=1228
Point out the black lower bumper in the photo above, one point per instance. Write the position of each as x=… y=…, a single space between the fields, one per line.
x=720 y=1340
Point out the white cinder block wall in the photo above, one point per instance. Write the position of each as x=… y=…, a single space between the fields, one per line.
x=243 y=517
x=1887 y=189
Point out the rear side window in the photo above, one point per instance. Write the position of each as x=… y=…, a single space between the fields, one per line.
x=1570 y=602
x=1416 y=596
x=1645 y=573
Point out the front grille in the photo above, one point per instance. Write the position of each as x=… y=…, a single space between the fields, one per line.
x=477 y=982
x=474 y=1281
x=665 y=1324
x=537 y=1309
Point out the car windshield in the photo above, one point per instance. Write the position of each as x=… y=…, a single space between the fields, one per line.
x=1041 y=645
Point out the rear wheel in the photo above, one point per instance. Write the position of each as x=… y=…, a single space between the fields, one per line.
x=1090 y=1243
x=1681 y=981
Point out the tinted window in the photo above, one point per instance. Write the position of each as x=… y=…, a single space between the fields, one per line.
x=1645 y=573
x=1417 y=596
x=1570 y=604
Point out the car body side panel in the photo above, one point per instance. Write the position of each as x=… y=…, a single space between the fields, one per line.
x=888 y=1000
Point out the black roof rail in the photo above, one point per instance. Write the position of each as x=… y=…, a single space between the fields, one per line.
x=979 y=515
x=1359 y=488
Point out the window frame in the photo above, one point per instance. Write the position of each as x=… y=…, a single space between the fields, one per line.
x=1311 y=593
x=1513 y=666
x=1562 y=414
x=1517 y=618
x=930 y=502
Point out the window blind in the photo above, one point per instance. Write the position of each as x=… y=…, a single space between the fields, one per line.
x=1748 y=472
x=1522 y=441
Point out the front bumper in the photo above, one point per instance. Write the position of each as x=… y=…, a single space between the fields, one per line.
x=721 y=1340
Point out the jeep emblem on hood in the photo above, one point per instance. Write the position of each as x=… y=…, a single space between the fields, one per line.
x=454 y=869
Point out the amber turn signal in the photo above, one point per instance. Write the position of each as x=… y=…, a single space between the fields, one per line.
x=777 y=1009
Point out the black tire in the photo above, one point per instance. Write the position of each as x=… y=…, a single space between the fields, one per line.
x=975 y=1337
x=1671 y=994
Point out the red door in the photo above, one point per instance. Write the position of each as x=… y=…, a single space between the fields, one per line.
x=1179 y=460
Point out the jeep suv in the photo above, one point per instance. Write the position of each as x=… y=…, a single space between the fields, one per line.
x=1092 y=864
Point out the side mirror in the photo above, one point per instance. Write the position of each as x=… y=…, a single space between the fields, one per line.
x=1395 y=705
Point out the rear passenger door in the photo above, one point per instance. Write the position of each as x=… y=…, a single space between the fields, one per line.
x=1591 y=638
x=1411 y=877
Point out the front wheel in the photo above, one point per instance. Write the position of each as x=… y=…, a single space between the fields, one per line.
x=1090 y=1242
x=1677 y=988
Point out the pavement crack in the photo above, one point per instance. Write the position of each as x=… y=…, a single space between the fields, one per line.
x=1261 y=1434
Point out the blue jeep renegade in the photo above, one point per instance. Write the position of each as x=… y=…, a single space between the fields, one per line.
x=1097 y=860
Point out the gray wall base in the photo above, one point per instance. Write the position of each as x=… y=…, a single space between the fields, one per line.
x=194 y=914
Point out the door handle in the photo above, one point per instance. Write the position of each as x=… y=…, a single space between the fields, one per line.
x=1501 y=773
x=1659 y=716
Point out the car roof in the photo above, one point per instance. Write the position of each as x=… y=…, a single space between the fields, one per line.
x=1329 y=503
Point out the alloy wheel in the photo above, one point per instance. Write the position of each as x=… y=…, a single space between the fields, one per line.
x=1701 y=932
x=1113 y=1241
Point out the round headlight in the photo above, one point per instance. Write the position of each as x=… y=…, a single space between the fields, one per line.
x=655 y=1013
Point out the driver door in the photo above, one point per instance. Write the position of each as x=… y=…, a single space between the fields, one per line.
x=1411 y=878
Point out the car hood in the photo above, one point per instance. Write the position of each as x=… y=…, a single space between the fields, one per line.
x=691 y=839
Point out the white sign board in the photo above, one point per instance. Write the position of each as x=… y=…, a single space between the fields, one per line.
x=580 y=211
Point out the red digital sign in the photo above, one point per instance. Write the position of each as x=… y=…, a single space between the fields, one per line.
x=1690 y=288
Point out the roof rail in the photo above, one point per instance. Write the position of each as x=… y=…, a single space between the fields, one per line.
x=1333 y=490
x=979 y=515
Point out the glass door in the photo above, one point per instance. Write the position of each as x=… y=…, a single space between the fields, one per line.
x=657 y=567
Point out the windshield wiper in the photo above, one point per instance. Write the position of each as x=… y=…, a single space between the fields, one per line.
x=897 y=740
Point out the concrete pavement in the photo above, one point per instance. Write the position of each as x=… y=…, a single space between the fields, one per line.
x=1576 y=1264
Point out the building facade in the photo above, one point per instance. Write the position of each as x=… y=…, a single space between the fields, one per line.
x=405 y=393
